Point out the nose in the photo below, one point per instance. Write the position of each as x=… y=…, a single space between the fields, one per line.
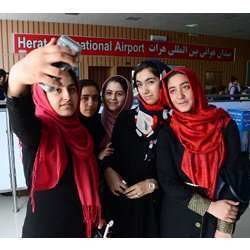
x=179 y=94
x=66 y=94
x=113 y=96
x=90 y=102
x=145 y=89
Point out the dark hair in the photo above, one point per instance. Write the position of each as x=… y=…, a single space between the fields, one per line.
x=4 y=83
x=73 y=75
x=88 y=82
x=3 y=73
x=155 y=66
x=233 y=78
x=119 y=79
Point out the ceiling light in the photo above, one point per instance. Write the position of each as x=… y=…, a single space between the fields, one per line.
x=192 y=25
x=158 y=38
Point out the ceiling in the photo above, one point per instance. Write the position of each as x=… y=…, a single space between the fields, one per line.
x=234 y=25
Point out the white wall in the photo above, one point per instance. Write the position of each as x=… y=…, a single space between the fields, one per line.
x=4 y=158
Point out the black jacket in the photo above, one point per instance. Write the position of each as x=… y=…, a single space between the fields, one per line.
x=58 y=211
x=177 y=220
x=132 y=217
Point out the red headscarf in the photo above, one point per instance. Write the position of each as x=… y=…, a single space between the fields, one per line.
x=57 y=133
x=159 y=106
x=200 y=132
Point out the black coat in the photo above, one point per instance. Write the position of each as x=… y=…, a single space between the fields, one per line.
x=132 y=217
x=177 y=220
x=58 y=211
x=95 y=128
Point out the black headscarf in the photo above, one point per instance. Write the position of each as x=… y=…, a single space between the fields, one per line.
x=93 y=123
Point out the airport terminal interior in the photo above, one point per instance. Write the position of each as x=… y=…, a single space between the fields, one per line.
x=214 y=45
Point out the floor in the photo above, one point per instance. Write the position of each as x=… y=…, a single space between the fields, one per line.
x=11 y=223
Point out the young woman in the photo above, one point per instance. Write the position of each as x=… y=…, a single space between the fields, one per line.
x=59 y=164
x=200 y=144
x=117 y=96
x=90 y=102
x=131 y=173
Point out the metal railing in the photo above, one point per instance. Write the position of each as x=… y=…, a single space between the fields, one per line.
x=11 y=158
x=228 y=98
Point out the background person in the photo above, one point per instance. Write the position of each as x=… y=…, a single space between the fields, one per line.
x=3 y=83
x=90 y=103
x=234 y=88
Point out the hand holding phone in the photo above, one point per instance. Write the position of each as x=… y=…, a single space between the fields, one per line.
x=70 y=43
x=75 y=47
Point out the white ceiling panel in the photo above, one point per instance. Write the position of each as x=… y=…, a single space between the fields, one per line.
x=216 y=24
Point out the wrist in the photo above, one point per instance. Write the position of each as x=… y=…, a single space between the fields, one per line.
x=16 y=87
x=225 y=227
x=211 y=207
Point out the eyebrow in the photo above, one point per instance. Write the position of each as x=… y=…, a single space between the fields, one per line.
x=150 y=78
x=71 y=85
x=67 y=87
x=115 y=91
x=180 y=84
x=88 y=95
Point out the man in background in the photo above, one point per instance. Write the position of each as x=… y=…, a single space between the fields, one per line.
x=3 y=83
x=234 y=87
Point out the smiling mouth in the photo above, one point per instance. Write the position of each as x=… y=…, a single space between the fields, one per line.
x=182 y=103
x=67 y=105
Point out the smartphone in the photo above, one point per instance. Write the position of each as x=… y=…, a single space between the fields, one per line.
x=73 y=45
x=46 y=87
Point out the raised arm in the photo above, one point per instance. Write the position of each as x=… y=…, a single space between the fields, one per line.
x=37 y=67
